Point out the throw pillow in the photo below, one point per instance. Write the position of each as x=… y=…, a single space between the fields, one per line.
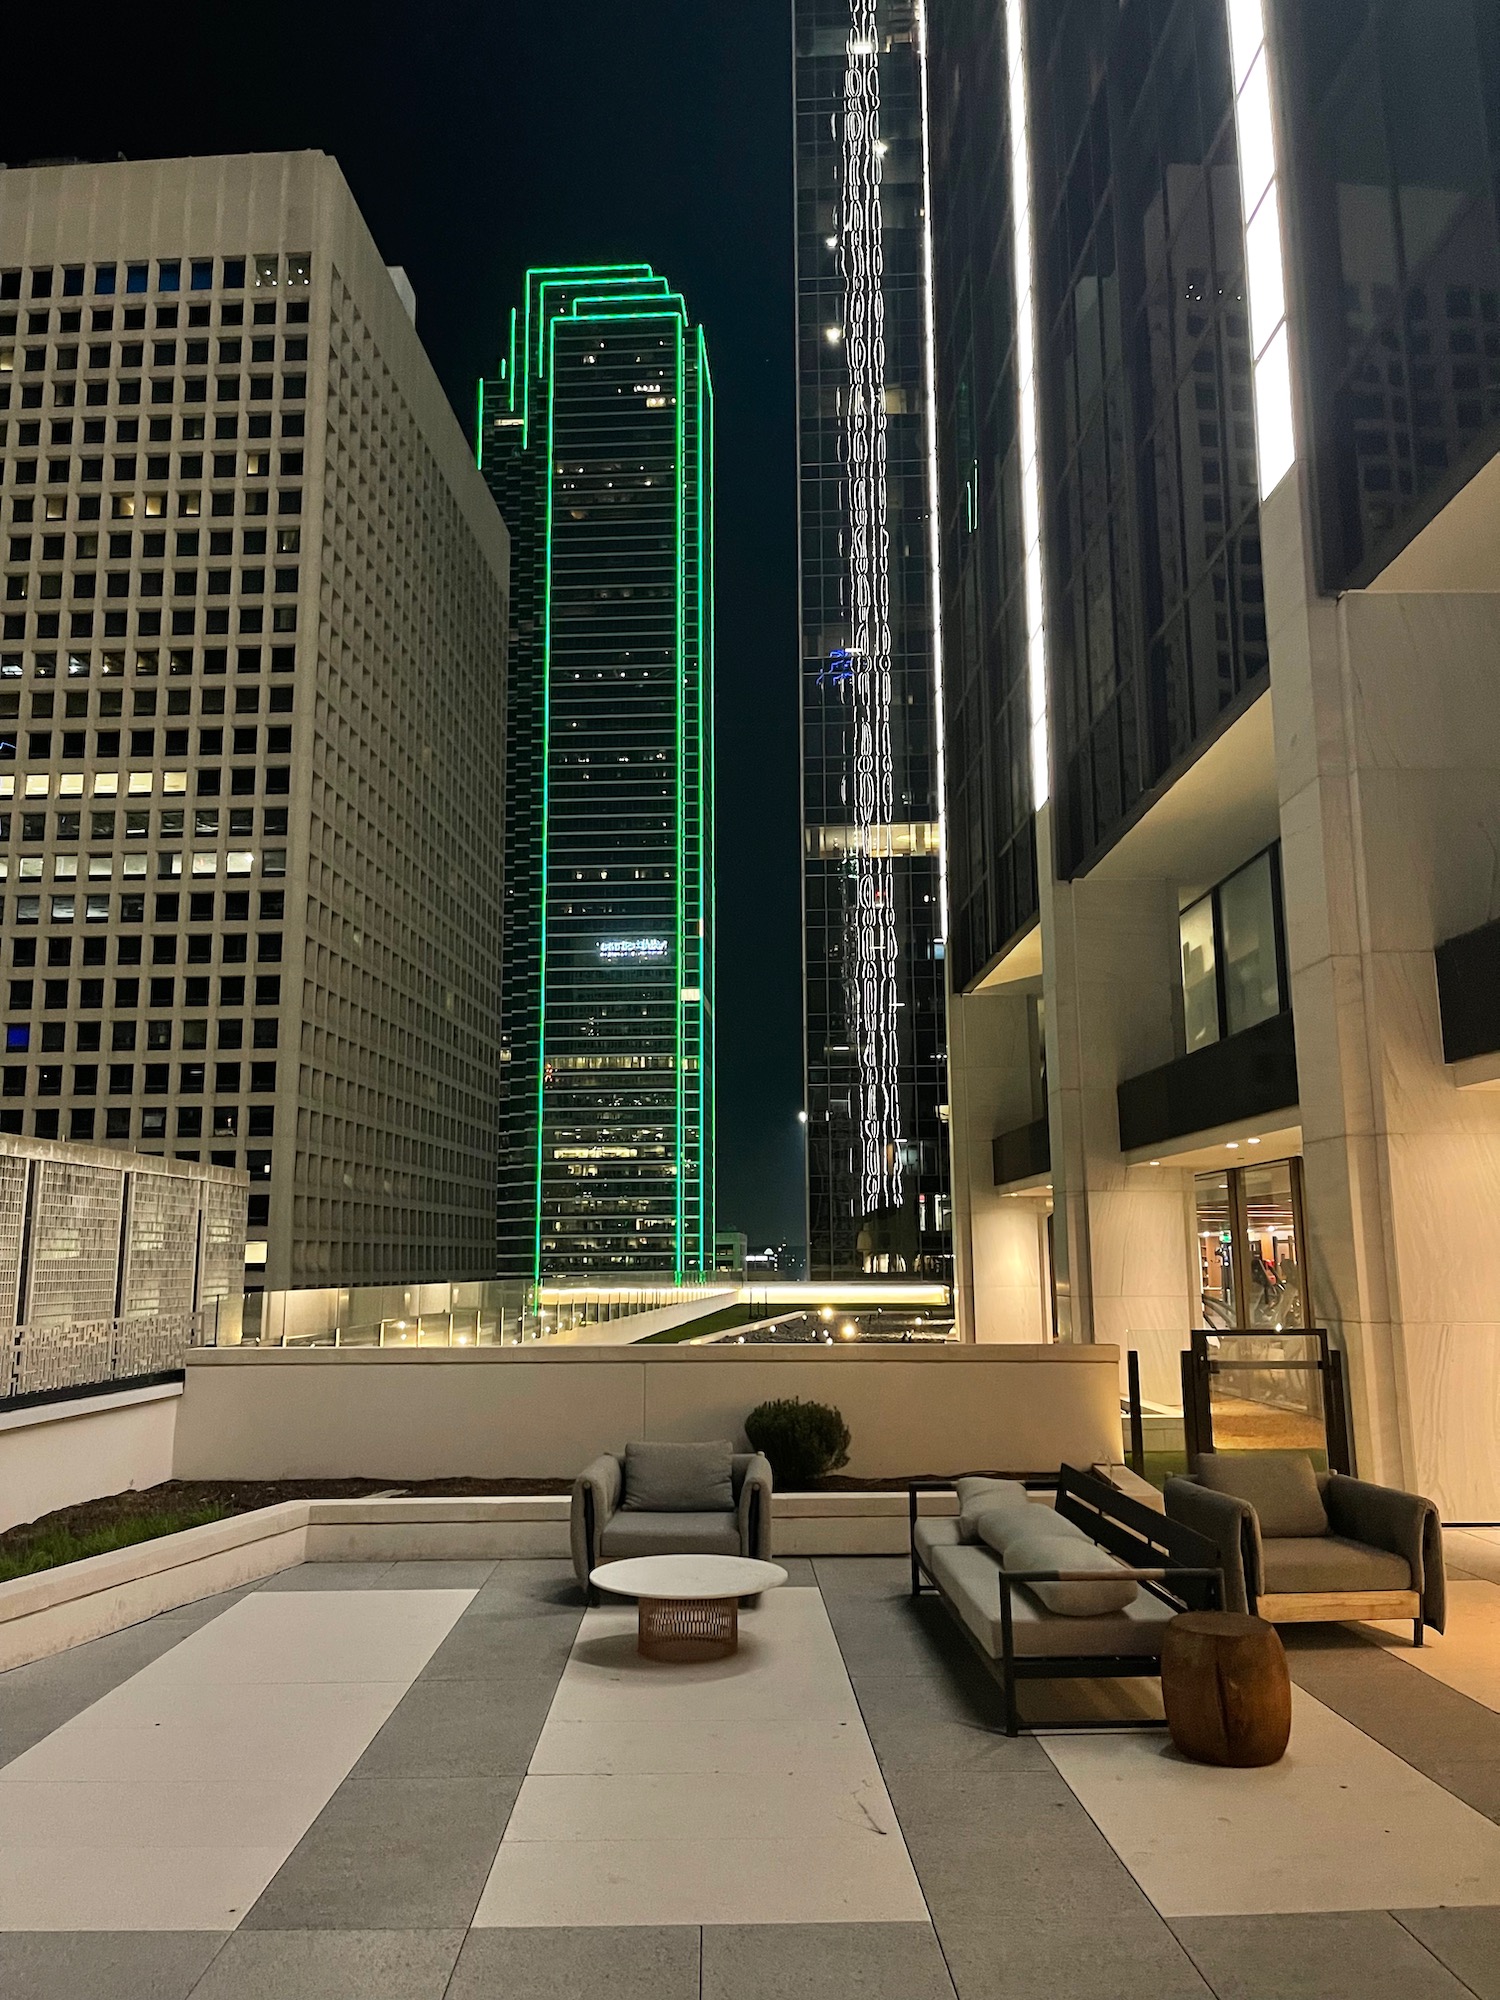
x=679 y=1478
x=1281 y=1487
x=1048 y=1550
x=977 y=1496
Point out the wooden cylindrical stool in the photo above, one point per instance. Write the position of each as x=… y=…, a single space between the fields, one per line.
x=1226 y=1689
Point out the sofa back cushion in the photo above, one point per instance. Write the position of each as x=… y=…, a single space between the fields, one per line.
x=978 y=1496
x=679 y=1478
x=1044 y=1548
x=1281 y=1486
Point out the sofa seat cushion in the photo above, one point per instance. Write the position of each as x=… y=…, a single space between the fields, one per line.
x=977 y=1496
x=937 y=1531
x=1281 y=1486
x=663 y=1478
x=1044 y=1548
x=642 y=1534
x=970 y=1578
x=1330 y=1562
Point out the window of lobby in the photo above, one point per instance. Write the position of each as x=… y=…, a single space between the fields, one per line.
x=1234 y=954
x=1248 y=1227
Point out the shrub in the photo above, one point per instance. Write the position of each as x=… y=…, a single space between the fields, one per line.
x=802 y=1440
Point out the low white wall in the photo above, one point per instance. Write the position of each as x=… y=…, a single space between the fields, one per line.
x=58 y=1454
x=511 y=1413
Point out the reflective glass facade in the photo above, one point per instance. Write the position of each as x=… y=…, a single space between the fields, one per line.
x=873 y=931
x=597 y=440
x=1155 y=593
x=1392 y=111
x=992 y=859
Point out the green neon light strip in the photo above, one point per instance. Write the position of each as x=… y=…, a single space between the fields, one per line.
x=511 y=374
x=541 y=1024
x=707 y=927
x=479 y=427
x=680 y=509
x=538 y=280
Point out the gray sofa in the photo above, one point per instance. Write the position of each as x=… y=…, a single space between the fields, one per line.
x=1083 y=1588
x=668 y=1500
x=1299 y=1546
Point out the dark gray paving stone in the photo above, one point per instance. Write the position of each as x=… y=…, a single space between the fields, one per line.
x=332 y=1965
x=327 y=1576
x=636 y=1962
x=1466 y=1941
x=1438 y=1731
x=390 y=1854
x=823 y=1962
x=517 y=1646
x=458 y=1729
x=862 y=1576
x=1340 y=1955
x=435 y=1576
x=104 y=1965
x=799 y=1572
x=1031 y=1902
x=534 y=1580
x=41 y=1697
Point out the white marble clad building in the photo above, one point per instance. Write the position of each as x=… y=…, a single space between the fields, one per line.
x=251 y=712
x=1202 y=1077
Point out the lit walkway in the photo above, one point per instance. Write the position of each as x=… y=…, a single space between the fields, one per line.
x=438 y=1781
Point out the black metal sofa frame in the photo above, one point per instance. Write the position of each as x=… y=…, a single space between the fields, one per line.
x=1175 y=1564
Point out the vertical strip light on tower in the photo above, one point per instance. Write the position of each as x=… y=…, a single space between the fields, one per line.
x=1027 y=334
x=599 y=453
x=873 y=945
x=1265 y=262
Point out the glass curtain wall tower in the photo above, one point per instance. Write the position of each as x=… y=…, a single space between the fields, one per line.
x=872 y=879
x=597 y=441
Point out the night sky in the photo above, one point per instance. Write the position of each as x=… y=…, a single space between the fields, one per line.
x=478 y=140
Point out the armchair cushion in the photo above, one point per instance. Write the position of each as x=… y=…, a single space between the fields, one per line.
x=714 y=1533
x=679 y=1478
x=1281 y=1486
x=1329 y=1563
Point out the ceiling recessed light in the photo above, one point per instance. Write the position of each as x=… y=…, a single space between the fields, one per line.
x=1232 y=1146
x=1252 y=1142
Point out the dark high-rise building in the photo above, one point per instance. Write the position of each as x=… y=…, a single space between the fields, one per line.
x=873 y=931
x=1218 y=299
x=596 y=438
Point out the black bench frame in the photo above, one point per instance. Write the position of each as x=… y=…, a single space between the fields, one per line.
x=1176 y=1564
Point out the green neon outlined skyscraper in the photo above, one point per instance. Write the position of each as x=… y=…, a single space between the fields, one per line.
x=596 y=438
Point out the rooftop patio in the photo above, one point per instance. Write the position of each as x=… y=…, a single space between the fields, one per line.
x=408 y=1780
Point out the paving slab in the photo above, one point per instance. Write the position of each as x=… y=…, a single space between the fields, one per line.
x=638 y=1962
x=332 y=1965
x=1349 y=1955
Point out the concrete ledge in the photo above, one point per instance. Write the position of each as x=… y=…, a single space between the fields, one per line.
x=62 y=1607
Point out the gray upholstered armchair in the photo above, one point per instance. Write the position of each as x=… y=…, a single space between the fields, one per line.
x=671 y=1499
x=1305 y=1547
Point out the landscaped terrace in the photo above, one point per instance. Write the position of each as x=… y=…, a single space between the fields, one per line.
x=381 y=1748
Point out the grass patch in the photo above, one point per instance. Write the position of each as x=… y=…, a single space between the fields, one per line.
x=51 y=1546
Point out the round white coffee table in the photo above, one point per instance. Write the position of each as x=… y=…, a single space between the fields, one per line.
x=688 y=1607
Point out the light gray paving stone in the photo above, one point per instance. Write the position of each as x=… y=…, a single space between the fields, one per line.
x=390 y=1854
x=332 y=1965
x=1466 y=1941
x=104 y=1965
x=459 y=1729
x=327 y=1576
x=823 y=1962
x=1341 y=1955
x=640 y=1962
x=435 y=1576
x=41 y=1697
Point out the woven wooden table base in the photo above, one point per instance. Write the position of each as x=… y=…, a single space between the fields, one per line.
x=681 y=1630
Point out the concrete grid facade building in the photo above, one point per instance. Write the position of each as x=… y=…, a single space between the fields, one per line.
x=876 y=1090
x=597 y=441
x=1218 y=289
x=252 y=701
